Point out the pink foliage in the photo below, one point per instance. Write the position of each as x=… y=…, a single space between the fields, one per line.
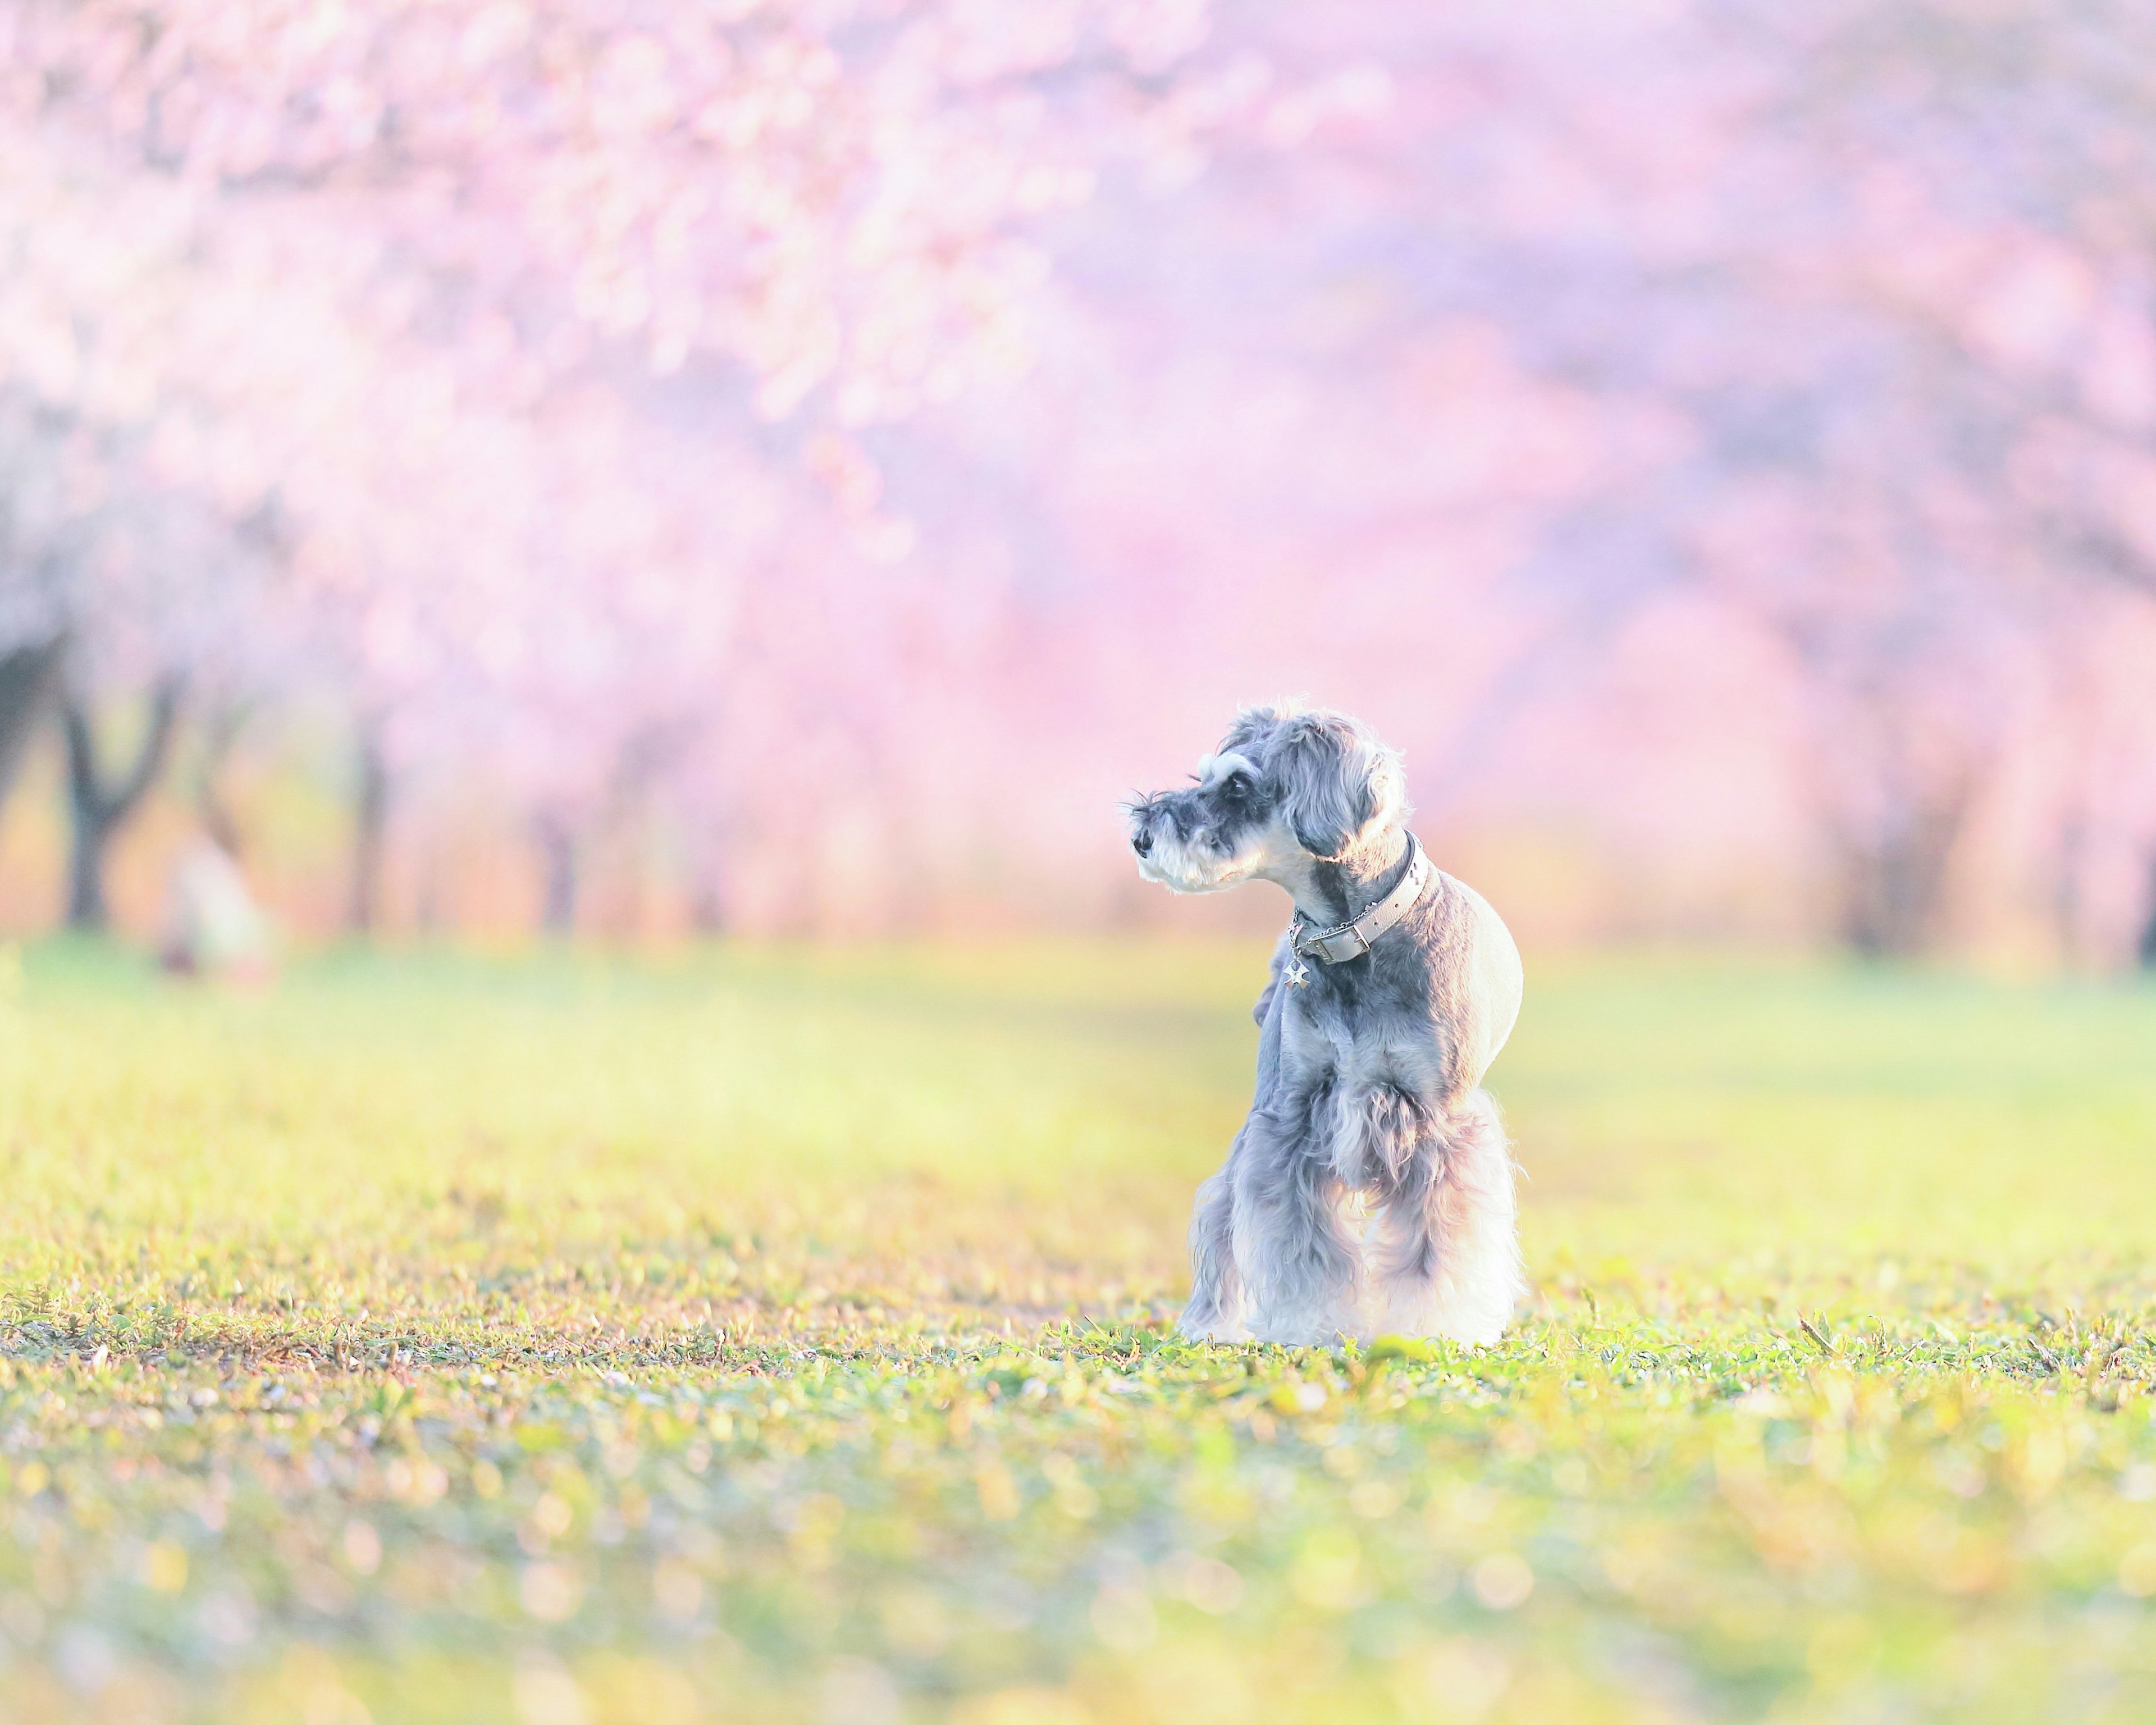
x=873 y=434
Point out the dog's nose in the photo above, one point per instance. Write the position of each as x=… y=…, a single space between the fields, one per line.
x=1142 y=842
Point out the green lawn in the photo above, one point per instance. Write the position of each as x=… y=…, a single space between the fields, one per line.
x=782 y=1336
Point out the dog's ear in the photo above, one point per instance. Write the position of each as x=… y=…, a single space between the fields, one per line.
x=1333 y=780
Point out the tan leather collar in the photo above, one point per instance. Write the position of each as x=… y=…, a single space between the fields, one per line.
x=1352 y=939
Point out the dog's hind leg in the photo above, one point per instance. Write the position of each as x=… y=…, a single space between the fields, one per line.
x=1215 y=1310
x=1445 y=1254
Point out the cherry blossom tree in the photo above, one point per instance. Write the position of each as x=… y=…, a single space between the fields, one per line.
x=857 y=435
x=1756 y=235
x=827 y=202
x=120 y=570
x=2013 y=142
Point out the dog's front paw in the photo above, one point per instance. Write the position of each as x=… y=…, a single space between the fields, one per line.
x=1298 y=1330
x=1211 y=1327
x=1430 y=1320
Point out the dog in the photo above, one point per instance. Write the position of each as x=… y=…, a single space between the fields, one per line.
x=1370 y=1192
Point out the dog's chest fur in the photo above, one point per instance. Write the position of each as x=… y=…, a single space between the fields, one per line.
x=1406 y=1016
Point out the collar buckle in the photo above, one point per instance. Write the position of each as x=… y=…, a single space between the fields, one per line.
x=1351 y=940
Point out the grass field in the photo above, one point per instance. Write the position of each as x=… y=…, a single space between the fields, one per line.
x=781 y=1336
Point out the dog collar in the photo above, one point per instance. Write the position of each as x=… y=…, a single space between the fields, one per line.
x=1352 y=939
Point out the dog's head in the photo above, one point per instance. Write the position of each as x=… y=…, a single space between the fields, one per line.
x=1285 y=789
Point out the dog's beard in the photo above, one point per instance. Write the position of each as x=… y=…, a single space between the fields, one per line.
x=1182 y=866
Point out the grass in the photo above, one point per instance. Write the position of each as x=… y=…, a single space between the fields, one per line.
x=782 y=1336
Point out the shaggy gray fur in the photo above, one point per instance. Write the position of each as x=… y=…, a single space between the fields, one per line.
x=1370 y=1190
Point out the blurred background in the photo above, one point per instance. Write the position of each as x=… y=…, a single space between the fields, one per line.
x=619 y=467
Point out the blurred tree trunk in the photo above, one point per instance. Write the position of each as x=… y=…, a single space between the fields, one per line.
x=98 y=809
x=2147 y=952
x=369 y=833
x=220 y=735
x=2069 y=861
x=558 y=858
x=28 y=676
x=1894 y=880
x=427 y=915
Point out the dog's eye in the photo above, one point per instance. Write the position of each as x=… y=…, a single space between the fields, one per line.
x=1236 y=787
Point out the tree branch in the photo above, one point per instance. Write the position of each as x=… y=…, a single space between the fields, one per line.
x=102 y=807
x=157 y=746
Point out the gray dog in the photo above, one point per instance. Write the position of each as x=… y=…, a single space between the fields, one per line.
x=1370 y=1191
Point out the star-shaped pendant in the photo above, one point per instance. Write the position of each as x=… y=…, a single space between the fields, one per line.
x=1298 y=973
